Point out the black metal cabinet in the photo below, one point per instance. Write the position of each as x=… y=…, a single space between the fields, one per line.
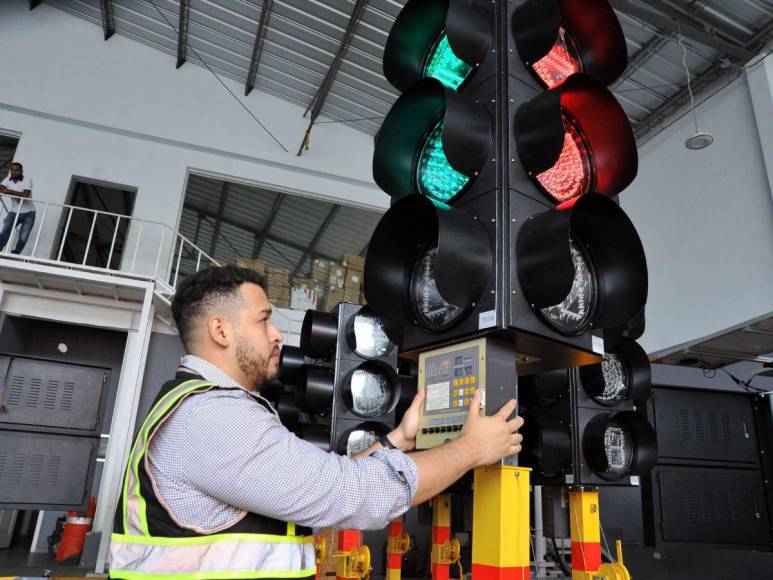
x=49 y=432
x=708 y=488
x=52 y=394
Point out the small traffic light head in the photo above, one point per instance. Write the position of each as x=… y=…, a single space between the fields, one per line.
x=371 y=389
x=319 y=334
x=624 y=374
x=366 y=333
x=616 y=445
x=291 y=361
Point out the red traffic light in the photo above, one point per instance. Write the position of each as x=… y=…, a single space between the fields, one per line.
x=556 y=38
x=575 y=139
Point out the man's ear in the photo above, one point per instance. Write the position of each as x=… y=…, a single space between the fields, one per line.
x=219 y=330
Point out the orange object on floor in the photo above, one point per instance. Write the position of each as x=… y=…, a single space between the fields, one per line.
x=74 y=534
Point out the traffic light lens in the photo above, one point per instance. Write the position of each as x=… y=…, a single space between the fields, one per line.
x=433 y=311
x=358 y=441
x=572 y=315
x=618 y=447
x=560 y=63
x=435 y=176
x=371 y=393
x=571 y=175
x=615 y=375
x=445 y=66
x=369 y=337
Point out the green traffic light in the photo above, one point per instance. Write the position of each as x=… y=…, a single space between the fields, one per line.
x=435 y=176
x=445 y=66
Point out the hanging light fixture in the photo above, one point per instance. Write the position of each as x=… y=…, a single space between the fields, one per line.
x=700 y=139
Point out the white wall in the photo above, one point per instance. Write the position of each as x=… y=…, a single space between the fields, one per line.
x=119 y=111
x=706 y=221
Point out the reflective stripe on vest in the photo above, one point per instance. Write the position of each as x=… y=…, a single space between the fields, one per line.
x=136 y=555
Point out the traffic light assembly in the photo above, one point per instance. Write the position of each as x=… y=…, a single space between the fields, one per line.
x=476 y=245
x=501 y=156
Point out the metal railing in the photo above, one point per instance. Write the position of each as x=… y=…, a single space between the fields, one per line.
x=136 y=247
x=101 y=241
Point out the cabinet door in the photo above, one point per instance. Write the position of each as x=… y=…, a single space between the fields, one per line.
x=52 y=394
x=45 y=471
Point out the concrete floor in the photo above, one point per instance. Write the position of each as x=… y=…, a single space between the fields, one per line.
x=18 y=561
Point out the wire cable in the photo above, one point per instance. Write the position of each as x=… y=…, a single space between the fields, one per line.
x=225 y=86
x=689 y=81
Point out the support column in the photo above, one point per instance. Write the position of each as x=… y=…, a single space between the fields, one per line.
x=397 y=545
x=585 y=532
x=347 y=539
x=441 y=533
x=500 y=523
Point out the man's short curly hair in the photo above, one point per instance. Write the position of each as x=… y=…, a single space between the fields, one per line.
x=198 y=293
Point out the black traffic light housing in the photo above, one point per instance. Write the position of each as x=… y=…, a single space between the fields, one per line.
x=345 y=370
x=472 y=165
x=587 y=426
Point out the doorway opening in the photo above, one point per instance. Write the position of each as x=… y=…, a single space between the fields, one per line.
x=96 y=234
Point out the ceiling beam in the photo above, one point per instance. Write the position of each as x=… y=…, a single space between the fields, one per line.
x=219 y=218
x=700 y=83
x=694 y=15
x=317 y=237
x=182 y=32
x=324 y=88
x=641 y=57
x=257 y=48
x=108 y=21
x=670 y=20
x=251 y=228
x=260 y=237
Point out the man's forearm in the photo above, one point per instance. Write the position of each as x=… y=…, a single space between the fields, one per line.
x=440 y=467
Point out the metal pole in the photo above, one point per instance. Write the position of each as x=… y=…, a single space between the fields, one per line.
x=585 y=531
x=112 y=244
x=540 y=547
x=500 y=522
x=136 y=247
x=160 y=249
x=13 y=229
x=177 y=268
x=441 y=533
x=198 y=261
x=88 y=242
x=64 y=235
x=40 y=229
x=122 y=426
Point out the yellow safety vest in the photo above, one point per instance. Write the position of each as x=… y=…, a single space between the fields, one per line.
x=243 y=551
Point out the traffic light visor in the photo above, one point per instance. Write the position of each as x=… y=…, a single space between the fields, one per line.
x=442 y=39
x=556 y=38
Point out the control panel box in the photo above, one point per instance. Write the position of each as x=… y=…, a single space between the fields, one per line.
x=450 y=377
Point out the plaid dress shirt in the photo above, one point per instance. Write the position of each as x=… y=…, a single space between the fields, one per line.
x=219 y=454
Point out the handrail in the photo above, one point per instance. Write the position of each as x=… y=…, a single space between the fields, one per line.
x=140 y=252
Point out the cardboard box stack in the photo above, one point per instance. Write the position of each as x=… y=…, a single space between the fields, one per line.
x=304 y=294
x=257 y=265
x=278 y=280
x=354 y=266
x=335 y=288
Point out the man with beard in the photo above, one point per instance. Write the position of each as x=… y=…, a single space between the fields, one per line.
x=216 y=487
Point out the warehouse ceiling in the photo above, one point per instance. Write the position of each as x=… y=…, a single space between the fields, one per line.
x=326 y=55
x=231 y=220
